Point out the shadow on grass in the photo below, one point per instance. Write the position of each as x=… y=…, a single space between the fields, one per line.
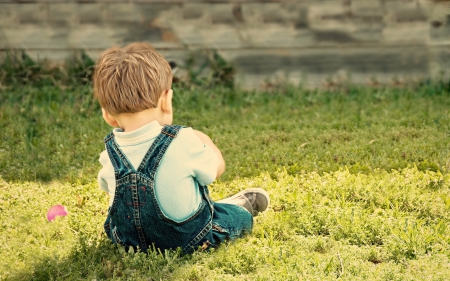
x=103 y=260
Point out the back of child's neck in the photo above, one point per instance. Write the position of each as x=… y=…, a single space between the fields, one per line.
x=132 y=121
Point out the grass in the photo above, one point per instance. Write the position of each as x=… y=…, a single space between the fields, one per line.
x=48 y=133
x=359 y=182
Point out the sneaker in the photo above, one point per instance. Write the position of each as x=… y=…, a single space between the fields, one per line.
x=255 y=200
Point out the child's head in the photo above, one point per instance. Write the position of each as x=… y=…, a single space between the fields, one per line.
x=131 y=79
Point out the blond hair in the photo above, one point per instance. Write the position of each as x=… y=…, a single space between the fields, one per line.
x=131 y=79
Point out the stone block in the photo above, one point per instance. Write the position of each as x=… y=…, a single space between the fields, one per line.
x=177 y=55
x=333 y=17
x=440 y=62
x=124 y=12
x=407 y=33
x=60 y=55
x=349 y=36
x=251 y=14
x=288 y=13
x=222 y=13
x=63 y=13
x=161 y=37
x=94 y=54
x=279 y=12
x=2 y=56
x=277 y=36
x=189 y=35
x=399 y=4
x=92 y=13
x=137 y=12
x=314 y=66
x=138 y=32
x=36 y=37
x=131 y=12
x=157 y=14
x=3 y=40
x=331 y=61
x=171 y=2
x=193 y=11
x=368 y=34
x=367 y=8
x=96 y=37
x=32 y=13
x=440 y=35
x=404 y=12
x=222 y=38
x=8 y=14
x=334 y=37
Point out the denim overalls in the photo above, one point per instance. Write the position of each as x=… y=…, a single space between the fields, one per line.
x=135 y=218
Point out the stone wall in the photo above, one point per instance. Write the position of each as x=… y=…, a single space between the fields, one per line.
x=313 y=42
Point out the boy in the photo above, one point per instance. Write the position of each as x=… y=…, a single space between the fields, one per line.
x=156 y=173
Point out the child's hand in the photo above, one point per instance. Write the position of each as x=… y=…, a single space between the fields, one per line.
x=207 y=140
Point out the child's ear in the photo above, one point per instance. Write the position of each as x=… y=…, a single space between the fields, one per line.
x=166 y=101
x=109 y=118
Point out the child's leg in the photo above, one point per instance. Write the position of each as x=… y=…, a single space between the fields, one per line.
x=255 y=200
x=230 y=222
x=233 y=216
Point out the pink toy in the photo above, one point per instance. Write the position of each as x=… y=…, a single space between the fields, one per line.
x=56 y=211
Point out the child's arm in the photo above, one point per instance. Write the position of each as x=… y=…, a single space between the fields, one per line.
x=207 y=140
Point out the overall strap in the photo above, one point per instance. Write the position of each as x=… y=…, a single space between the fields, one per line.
x=115 y=154
x=120 y=163
x=156 y=151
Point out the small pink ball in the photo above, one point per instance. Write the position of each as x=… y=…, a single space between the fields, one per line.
x=56 y=211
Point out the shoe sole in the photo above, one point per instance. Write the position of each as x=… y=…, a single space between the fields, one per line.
x=261 y=196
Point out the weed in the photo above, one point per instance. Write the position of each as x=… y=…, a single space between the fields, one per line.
x=20 y=69
x=205 y=69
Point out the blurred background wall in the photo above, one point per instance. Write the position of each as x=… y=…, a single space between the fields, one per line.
x=317 y=42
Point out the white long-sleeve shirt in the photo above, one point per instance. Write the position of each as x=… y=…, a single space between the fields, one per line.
x=186 y=162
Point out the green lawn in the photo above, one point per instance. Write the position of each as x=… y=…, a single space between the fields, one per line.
x=359 y=182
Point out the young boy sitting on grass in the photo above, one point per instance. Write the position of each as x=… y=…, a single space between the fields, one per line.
x=156 y=173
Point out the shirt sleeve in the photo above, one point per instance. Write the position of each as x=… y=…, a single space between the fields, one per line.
x=201 y=159
x=102 y=183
